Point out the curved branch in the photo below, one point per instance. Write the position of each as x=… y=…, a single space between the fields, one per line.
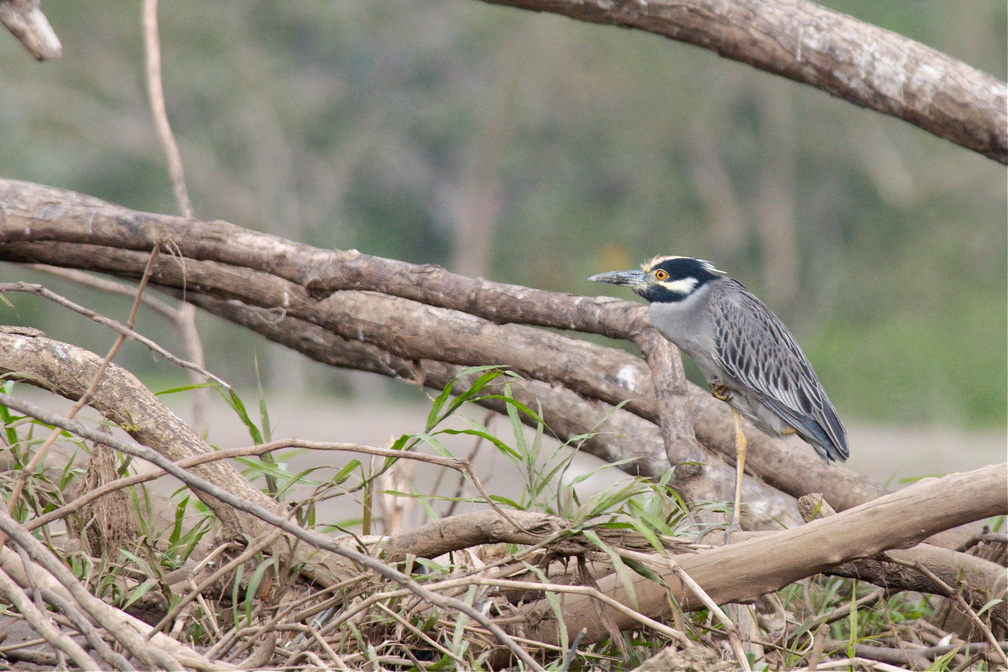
x=122 y=399
x=224 y=267
x=267 y=515
x=859 y=62
x=741 y=572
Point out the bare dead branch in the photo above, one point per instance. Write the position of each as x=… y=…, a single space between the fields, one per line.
x=42 y=625
x=742 y=572
x=155 y=91
x=95 y=379
x=254 y=547
x=122 y=329
x=225 y=263
x=960 y=600
x=184 y=316
x=861 y=63
x=125 y=401
x=25 y=20
x=267 y=515
x=68 y=609
x=12 y=565
x=123 y=633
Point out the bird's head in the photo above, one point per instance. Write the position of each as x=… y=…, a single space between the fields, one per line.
x=664 y=279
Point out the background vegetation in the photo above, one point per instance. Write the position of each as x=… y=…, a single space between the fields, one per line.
x=537 y=150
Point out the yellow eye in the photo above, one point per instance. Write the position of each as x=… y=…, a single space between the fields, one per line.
x=661 y=274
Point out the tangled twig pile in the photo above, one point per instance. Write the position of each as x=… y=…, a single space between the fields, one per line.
x=427 y=326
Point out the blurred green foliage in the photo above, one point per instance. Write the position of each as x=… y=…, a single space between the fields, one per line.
x=530 y=148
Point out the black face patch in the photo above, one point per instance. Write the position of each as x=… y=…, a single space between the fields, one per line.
x=675 y=278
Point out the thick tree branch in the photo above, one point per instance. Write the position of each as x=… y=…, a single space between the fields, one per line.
x=226 y=266
x=861 y=63
x=742 y=572
x=121 y=398
x=978 y=579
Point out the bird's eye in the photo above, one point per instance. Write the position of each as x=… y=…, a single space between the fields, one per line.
x=661 y=274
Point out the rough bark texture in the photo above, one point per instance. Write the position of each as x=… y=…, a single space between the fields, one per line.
x=121 y=398
x=742 y=572
x=861 y=63
x=390 y=317
x=422 y=324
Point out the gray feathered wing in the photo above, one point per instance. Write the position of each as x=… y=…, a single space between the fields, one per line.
x=757 y=350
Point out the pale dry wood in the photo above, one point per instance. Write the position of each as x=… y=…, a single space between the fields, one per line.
x=267 y=515
x=43 y=625
x=859 y=62
x=85 y=395
x=744 y=571
x=155 y=93
x=121 y=398
x=617 y=435
x=122 y=631
x=979 y=580
x=12 y=565
x=25 y=20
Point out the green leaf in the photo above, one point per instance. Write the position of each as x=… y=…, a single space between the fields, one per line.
x=185 y=388
x=139 y=592
x=343 y=474
x=618 y=565
x=252 y=591
x=235 y=402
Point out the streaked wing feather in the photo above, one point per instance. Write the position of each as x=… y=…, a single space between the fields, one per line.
x=756 y=349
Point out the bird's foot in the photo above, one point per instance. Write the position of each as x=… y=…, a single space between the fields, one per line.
x=720 y=392
x=728 y=528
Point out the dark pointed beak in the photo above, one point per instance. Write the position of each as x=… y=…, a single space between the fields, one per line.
x=629 y=278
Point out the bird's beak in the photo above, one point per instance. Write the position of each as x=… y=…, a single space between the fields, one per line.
x=630 y=278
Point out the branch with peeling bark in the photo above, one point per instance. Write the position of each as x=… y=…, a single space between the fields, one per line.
x=859 y=62
x=423 y=324
x=743 y=571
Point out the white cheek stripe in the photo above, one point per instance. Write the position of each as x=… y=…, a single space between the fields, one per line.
x=682 y=286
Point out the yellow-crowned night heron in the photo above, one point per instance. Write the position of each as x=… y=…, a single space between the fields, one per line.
x=748 y=356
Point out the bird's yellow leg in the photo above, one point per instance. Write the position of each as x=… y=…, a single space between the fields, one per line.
x=740 y=455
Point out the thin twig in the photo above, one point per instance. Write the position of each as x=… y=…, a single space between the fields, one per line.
x=983 y=535
x=155 y=90
x=106 y=285
x=853 y=663
x=185 y=316
x=730 y=629
x=838 y=613
x=254 y=547
x=204 y=458
x=29 y=469
x=960 y=601
x=254 y=633
x=83 y=625
x=420 y=634
x=122 y=329
x=467 y=581
x=123 y=633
